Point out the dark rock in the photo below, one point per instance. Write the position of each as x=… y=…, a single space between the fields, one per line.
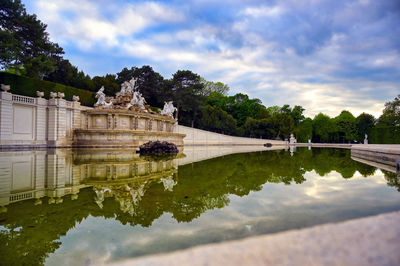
x=153 y=147
x=268 y=145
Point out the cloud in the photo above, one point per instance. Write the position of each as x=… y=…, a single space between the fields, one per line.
x=327 y=56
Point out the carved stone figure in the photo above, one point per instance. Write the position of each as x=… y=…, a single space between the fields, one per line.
x=292 y=139
x=366 y=139
x=53 y=95
x=137 y=100
x=101 y=97
x=60 y=95
x=169 y=109
x=75 y=98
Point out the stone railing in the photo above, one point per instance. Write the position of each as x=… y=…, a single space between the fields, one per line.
x=23 y=99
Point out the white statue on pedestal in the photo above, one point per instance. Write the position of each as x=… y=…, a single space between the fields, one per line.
x=169 y=109
x=292 y=139
x=366 y=139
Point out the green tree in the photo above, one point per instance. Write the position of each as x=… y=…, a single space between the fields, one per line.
x=364 y=123
x=25 y=41
x=210 y=86
x=185 y=88
x=215 y=119
x=322 y=128
x=297 y=114
x=304 y=131
x=391 y=113
x=345 y=127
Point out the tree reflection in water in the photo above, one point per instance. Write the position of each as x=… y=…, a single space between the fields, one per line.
x=146 y=188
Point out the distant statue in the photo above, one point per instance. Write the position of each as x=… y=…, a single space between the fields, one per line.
x=169 y=109
x=366 y=139
x=101 y=98
x=292 y=139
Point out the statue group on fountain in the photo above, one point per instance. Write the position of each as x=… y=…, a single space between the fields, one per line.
x=130 y=98
x=169 y=109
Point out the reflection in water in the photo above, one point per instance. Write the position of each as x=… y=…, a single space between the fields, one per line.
x=48 y=198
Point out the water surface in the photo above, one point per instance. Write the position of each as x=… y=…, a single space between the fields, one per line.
x=101 y=206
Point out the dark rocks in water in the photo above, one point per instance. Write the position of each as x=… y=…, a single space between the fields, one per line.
x=268 y=145
x=158 y=147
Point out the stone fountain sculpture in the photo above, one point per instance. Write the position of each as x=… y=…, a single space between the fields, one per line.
x=126 y=120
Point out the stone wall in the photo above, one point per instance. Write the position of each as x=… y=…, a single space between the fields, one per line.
x=196 y=136
x=37 y=122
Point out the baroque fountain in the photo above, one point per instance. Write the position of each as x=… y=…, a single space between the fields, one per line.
x=126 y=120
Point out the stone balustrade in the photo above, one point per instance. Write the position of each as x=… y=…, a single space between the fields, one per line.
x=37 y=122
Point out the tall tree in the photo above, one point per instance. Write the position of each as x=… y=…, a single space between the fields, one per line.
x=25 y=41
x=345 y=126
x=364 y=123
x=185 y=88
x=391 y=113
x=322 y=128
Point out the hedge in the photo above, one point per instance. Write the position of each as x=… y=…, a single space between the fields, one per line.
x=28 y=87
x=384 y=135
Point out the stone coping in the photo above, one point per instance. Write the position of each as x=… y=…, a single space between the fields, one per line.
x=127 y=131
x=367 y=241
x=129 y=113
x=383 y=148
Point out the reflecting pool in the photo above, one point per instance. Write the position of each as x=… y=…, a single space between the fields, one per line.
x=99 y=206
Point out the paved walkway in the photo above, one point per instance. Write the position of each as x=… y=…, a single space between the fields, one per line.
x=366 y=241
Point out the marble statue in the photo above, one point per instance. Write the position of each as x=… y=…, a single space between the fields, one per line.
x=128 y=87
x=169 y=109
x=138 y=100
x=366 y=139
x=292 y=139
x=102 y=98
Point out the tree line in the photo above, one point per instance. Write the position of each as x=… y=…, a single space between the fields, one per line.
x=25 y=49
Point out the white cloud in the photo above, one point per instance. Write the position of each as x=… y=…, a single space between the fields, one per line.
x=238 y=51
x=263 y=11
x=83 y=22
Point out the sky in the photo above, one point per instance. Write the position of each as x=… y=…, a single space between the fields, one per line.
x=326 y=56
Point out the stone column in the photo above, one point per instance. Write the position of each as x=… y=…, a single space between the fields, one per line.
x=41 y=119
x=52 y=122
x=57 y=122
x=6 y=117
x=76 y=115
